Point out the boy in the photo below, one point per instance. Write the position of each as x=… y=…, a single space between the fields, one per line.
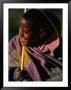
x=26 y=58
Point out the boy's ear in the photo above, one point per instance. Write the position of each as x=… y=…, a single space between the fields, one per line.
x=42 y=33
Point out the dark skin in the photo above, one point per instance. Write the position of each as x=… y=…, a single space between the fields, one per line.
x=29 y=35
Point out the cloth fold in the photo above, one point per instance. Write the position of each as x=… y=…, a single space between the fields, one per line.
x=34 y=61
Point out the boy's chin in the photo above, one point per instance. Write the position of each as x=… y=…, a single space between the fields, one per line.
x=23 y=42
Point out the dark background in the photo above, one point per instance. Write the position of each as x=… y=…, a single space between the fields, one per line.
x=14 y=16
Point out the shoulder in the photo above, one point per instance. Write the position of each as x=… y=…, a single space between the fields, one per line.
x=13 y=43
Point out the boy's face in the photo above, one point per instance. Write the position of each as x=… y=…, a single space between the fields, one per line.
x=27 y=36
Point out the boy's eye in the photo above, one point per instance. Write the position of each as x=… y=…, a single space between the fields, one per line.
x=21 y=25
x=24 y=32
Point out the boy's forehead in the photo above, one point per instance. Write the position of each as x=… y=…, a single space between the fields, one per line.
x=26 y=25
x=23 y=21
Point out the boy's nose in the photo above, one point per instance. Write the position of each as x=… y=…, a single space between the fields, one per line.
x=26 y=36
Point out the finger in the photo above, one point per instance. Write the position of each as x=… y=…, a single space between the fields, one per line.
x=42 y=47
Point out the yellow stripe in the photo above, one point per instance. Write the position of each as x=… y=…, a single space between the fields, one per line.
x=25 y=58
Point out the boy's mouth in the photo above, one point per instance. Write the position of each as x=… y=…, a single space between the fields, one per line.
x=23 y=41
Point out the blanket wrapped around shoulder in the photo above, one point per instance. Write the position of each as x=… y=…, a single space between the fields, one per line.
x=33 y=64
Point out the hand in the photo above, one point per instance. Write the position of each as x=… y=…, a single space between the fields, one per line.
x=44 y=48
x=18 y=74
